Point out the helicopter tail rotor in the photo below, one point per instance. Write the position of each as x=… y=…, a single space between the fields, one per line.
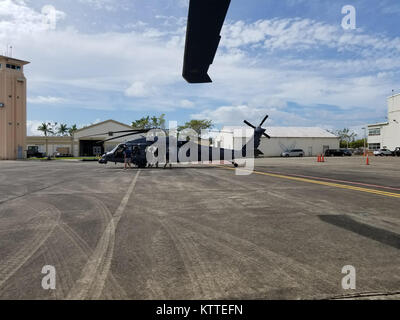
x=259 y=130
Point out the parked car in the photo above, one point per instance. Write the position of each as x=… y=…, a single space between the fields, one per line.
x=358 y=152
x=334 y=153
x=396 y=152
x=347 y=152
x=293 y=153
x=383 y=152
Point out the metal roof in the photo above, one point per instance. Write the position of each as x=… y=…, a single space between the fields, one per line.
x=13 y=59
x=292 y=132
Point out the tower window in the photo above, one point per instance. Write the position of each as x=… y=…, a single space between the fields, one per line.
x=13 y=66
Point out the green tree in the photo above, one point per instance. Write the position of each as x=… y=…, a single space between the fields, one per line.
x=72 y=130
x=356 y=144
x=346 y=136
x=149 y=123
x=63 y=129
x=47 y=129
x=197 y=125
x=143 y=123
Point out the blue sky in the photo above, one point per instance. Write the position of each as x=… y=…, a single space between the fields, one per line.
x=122 y=59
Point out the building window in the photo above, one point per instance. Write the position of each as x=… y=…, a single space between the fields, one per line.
x=374 y=146
x=374 y=132
x=13 y=66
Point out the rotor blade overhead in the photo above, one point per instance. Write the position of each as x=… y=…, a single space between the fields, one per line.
x=111 y=133
x=265 y=119
x=205 y=21
x=249 y=124
x=125 y=135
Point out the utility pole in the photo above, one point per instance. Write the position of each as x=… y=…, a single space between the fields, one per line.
x=365 y=140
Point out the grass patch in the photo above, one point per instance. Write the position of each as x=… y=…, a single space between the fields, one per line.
x=68 y=158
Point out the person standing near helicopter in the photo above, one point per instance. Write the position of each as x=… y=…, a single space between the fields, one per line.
x=127 y=157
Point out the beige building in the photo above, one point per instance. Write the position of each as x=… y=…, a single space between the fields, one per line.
x=12 y=108
x=85 y=142
x=386 y=134
x=55 y=145
x=312 y=140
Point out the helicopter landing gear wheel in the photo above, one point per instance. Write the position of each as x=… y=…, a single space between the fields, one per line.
x=142 y=165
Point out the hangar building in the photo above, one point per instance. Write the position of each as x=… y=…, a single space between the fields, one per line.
x=312 y=140
x=386 y=134
x=84 y=142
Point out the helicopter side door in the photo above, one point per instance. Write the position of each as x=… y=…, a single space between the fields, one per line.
x=119 y=153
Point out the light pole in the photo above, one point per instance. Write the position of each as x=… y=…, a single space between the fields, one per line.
x=365 y=140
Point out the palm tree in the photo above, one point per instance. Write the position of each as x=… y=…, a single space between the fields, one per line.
x=47 y=129
x=72 y=130
x=63 y=129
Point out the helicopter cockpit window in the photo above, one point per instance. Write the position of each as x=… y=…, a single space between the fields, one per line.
x=118 y=151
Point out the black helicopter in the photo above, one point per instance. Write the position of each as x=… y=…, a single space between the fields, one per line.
x=157 y=147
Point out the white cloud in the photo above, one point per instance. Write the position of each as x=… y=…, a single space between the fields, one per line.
x=137 y=89
x=109 y=5
x=17 y=18
x=45 y=100
x=260 y=66
x=233 y=115
x=187 y=104
x=31 y=127
x=303 y=34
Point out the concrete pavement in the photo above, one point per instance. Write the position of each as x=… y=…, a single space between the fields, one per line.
x=200 y=232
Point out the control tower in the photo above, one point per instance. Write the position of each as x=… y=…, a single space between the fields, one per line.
x=12 y=109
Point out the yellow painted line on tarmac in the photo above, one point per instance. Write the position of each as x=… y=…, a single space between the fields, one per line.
x=324 y=183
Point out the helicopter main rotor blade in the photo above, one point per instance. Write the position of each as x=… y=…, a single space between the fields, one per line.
x=125 y=135
x=249 y=124
x=111 y=133
x=216 y=131
x=262 y=122
x=204 y=24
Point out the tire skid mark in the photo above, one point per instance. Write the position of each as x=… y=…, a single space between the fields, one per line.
x=84 y=248
x=91 y=283
x=289 y=267
x=44 y=230
x=243 y=259
x=203 y=284
x=153 y=289
x=63 y=276
x=28 y=224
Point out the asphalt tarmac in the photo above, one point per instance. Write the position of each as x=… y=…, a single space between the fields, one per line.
x=200 y=231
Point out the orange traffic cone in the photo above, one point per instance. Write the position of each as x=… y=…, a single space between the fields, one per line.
x=322 y=158
x=367 y=162
x=319 y=158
